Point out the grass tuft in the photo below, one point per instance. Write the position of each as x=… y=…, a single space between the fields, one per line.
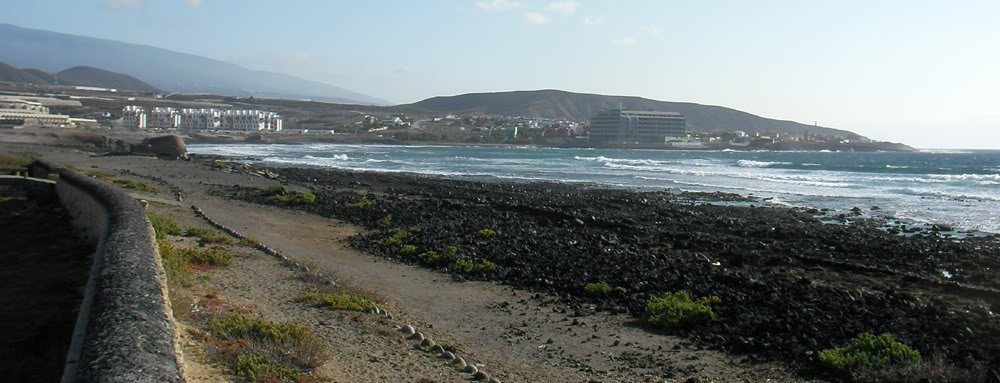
x=136 y=185
x=487 y=232
x=177 y=268
x=467 y=266
x=339 y=300
x=9 y=159
x=261 y=350
x=361 y=204
x=163 y=225
x=215 y=256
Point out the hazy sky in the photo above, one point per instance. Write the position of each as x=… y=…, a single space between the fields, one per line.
x=926 y=73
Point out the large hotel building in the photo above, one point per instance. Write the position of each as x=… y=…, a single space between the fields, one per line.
x=201 y=119
x=633 y=127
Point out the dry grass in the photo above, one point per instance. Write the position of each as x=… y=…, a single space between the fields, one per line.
x=261 y=350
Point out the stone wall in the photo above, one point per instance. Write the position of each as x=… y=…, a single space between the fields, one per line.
x=125 y=331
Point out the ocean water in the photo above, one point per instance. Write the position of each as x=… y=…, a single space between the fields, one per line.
x=959 y=188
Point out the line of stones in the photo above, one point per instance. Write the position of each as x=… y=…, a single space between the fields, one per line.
x=426 y=343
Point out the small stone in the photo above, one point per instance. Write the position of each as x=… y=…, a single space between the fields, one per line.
x=417 y=336
x=407 y=330
x=480 y=375
x=470 y=369
x=437 y=348
x=427 y=343
x=448 y=355
x=458 y=360
x=494 y=380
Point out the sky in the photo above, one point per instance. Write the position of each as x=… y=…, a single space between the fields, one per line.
x=925 y=73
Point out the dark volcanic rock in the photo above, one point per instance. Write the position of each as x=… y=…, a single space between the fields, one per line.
x=789 y=284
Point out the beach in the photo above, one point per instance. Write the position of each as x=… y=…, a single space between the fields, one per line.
x=789 y=284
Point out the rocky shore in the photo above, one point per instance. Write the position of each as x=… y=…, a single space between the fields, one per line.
x=789 y=284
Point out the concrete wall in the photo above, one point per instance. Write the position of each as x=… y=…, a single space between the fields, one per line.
x=125 y=331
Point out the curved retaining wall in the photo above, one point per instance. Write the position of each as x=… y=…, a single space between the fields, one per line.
x=124 y=332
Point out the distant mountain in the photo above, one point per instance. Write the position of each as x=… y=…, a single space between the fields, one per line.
x=11 y=74
x=164 y=69
x=556 y=104
x=88 y=76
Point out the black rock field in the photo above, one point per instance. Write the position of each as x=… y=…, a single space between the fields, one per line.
x=790 y=284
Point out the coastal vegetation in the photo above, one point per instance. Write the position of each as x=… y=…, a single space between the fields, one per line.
x=487 y=232
x=341 y=300
x=133 y=184
x=163 y=225
x=600 y=288
x=280 y=195
x=262 y=350
x=468 y=266
x=206 y=235
x=868 y=352
x=361 y=203
x=16 y=160
x=677 y=310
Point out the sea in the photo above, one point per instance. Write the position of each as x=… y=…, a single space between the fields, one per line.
x=958 y=188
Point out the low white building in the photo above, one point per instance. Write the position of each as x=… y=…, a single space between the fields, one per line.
x=201 y=119
x=392 y=121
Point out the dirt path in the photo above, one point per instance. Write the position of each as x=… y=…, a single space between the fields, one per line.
x=514 y=335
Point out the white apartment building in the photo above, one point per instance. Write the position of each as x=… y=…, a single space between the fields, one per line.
x=162 y=118
x=133 y=117
x=201 y=119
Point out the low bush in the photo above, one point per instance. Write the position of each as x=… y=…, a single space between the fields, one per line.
x=261 y=350
x=386 y=220
x=177 y=269
x=163 y=225
x=217 y=164
x=276 y=190
x=868 y=352
x=206 y=235
x=339 y=300
x=600 y=288
x=467 y=266
x=136 y=185
x=293 y=198
x=487 y=233
x=249 y=241
x=396 y=238
x=429 y=257
x=408 y=249
x=215 y=256
x=198 y=231
x=361 y=203
x=14 y=160
x=678 y=310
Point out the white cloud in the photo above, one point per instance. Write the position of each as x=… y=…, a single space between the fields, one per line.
x=564 y=7
x=536 y=18
x=497 y=5
x=593 y=20
x=625 y=41
x=123 y=3
x=194 y=3
x=652 y=30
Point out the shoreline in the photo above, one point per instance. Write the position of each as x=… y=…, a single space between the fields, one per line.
x=892 y=223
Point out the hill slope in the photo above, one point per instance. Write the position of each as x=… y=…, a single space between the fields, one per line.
x=581 y=106
x=88 y=76
x=164 y=69
x=30 y=76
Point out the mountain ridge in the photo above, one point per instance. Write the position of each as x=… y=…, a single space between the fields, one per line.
x=164 y=69
x=556 y=104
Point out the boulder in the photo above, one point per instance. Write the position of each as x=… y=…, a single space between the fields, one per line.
x=170 y=146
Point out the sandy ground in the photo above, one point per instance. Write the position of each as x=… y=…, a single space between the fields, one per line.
x=514 y=335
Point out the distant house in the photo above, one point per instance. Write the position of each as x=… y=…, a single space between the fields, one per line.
x=392 y=121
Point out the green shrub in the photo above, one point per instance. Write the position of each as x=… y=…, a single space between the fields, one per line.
x=408 y=249
x=868 y=352
x=339 y=301
x=293 y=198
x=262 y=350
x=250 y=241
x=386 y=220
x=206 y=235
x=261 y=368
x=361 y=203
x=451 y=251
x=177 y=269
x=430 y=257
x=215 y=256
x=197 y=231
x=14 y=159
x=136 y=185
x=415 y=229
x=276 y=190
x=217 y=164
x=468 y=266
x=487 y=233
x=677 y=310
x=597 y=288
x=396 y=238
x=163 y=225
